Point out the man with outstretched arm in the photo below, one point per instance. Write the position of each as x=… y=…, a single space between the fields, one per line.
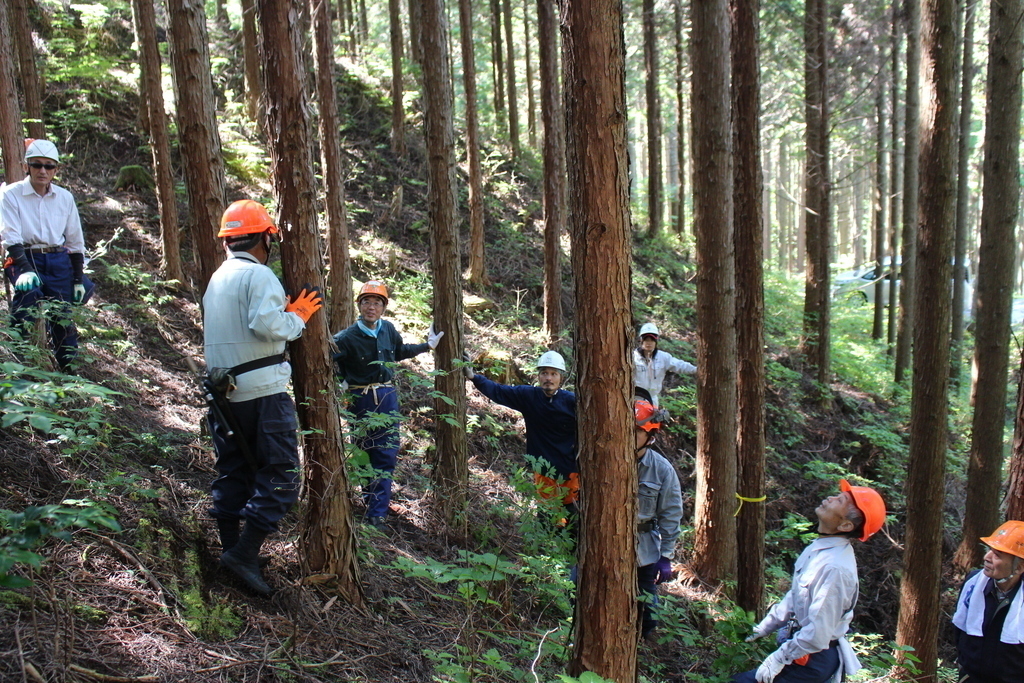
x=812 y=620
x=247 y=323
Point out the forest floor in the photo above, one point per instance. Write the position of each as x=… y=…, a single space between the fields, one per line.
x=151 y=604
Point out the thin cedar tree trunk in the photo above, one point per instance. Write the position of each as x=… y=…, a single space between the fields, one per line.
x=497 y=65
x=714 y=545
x=397 y=85
x=531 y=114
x=595 y=102
x=340 y=312
x=906 y=271
x=159 y=143
x=880 y=202
x=11 y=132
x=553 y=116
x=963 y=197
x=766 y=205
x=31 y=83
x=783 y=205
x=415 y=21
x=1015 y=495
x=680 y=213
x=817 y=333
x=251 y=57
x=510 y=78
x=918 y=624
x=477 y=264
x=749 y=236
x=199 y=139
x=651 y=73
x=328 y=541
x=451 y=472
x=896 y=185
x=1000 y=196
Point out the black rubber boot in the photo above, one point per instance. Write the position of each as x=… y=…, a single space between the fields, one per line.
x=243 y=559
x=228 y=529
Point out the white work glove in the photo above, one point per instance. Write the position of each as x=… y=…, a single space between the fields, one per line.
x=27 y=282
x=759 y=632
x=433 y=337
x=770 y=668
x=467 y=369
x=79 y=293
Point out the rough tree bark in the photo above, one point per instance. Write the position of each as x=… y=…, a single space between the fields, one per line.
x=651 y=74
x=880 y=205
x=451 y=471
x=994 y=296
x=906 y=271
x=11 y=132
x=497 y=65
x=250 y=54
x=31 y=83
x=510 y=78
x=1015 y=495
x=199 y=139
x=918 y=624
x=328 y=540
x=714 y=545
x=553 y=116
x=749 y=240
x=397 y=86
x=606 y=614
x=159 y=143
x=477 y=263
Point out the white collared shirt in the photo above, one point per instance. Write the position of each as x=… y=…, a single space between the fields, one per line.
x=50 y=220
x=650 y=374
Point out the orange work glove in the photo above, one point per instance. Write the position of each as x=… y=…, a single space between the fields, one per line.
x=308 y=302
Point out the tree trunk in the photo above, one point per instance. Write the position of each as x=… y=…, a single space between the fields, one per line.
x=766 y=203
x=880 y=205
x=1015 y=495
x=397 y=87
x=477 y=264
x=451 y=472
x=328 y=539
x=749 y=217
x=553 y=116
x=783 y=206
x=714 y=525
x=995 y=278
x=606 y=614
x=651 y=72
x=531 y=114
x=817 y=334
x=680 y=214
x=340 y=313
x=919 y=614
x=199 y=139
x=152 y=96
x=906 y=271
x=11 y=132
x=31 y=84
x=497 y=64
x=250 y=53
x=510 y=72
x=414 y=31
x=896 y=186
x=963 y=198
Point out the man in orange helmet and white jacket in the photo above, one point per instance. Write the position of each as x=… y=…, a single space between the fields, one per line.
x=247 y=322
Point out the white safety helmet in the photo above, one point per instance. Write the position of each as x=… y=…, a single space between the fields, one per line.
x=648 y=328
x=552 y=359
x=41 y=148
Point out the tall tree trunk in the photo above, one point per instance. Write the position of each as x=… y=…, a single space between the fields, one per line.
x=250 y=54
x=328 y=534
x=895 y=193
x=553 y=117
x=714 y=546
x=606 y=614
x=11 y=132
x=531 y=106
x=451 y=472
x=783 y=206
x=651 y=72
x=817 y=334
x=510 y=74
x=477 y=264
x=498 y=64
x=153 y=99
x=680 y=213
x=749 y=217
x=199 y=139
x=912 y=142
x=31 y=84
x=880 y=202
x=963 y=197
x=340 y=311
x=415 y=21
x=918 y=624
x=766 y=204
x=397 y=86
x=1015 y=494
x=995 y=277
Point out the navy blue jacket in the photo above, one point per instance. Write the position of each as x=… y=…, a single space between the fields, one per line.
x=550 y=421
x=358 y=351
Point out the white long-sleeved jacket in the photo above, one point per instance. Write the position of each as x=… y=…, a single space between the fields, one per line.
x=650 y=374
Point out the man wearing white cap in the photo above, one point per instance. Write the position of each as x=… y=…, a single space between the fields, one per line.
x=42 y=233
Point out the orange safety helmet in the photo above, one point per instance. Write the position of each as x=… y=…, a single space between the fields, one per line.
x=1008 y=538
x=647 y=416
x=245 y=217
x=373 y=288
x=869 y=503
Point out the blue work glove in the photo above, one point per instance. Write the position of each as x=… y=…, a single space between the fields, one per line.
x=27 y=282
x=664 y=566
x=79 y=293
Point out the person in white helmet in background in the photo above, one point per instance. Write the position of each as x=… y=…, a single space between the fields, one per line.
x=550 y=415
x=652 y=365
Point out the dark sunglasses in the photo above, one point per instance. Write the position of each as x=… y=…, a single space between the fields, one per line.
x=36 y=165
